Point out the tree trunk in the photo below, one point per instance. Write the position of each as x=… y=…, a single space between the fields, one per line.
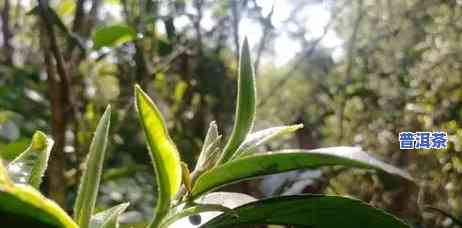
x=59 y=105
x=7 y=34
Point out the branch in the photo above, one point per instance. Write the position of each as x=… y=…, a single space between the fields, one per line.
x=235 y=22
x=91 y=18
x=267 y=27
x=197 y=24
x=79 y=16
x=7 y=34
x=301 y=60
x=57 y=161
x=82 y=26
x=454 y=219
x=53 y=44
x=349 y=67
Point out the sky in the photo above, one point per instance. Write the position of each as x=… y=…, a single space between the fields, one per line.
x=317 y=17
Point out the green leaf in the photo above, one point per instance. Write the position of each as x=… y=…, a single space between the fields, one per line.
x=212 y=135
x=29 y=167
x=245 y=107
x=209 y=154
x=113 y=35
x=89 y=183
x=65 y=7
x=108 y=218
x=163 y=152
x=314 y=211
x=24 y=206
x=287 y=160
x=260 y=137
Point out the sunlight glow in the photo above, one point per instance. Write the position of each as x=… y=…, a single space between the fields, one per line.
x=316 y=17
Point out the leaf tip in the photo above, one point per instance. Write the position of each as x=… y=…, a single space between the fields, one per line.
x=137 y=87
x=106 y=118
x=140 y=94
x=298 y=126
x=124 y=206
x=245 y=43
x=40 y=141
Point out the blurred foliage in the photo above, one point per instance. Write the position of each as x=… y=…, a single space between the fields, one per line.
x=398 y=68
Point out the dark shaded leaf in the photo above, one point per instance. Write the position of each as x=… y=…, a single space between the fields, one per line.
x=314 y=211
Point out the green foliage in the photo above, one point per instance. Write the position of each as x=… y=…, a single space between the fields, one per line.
x=237 y=162
x=24 y=205
x=30 y=166
x=210 y=149
x=112 y=36
x=323 y=211
x=245 y=105
x=287 y=160
x=164 y=155
x=377 y=68
x=89 y=183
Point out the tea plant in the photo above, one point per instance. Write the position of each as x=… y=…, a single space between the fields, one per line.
x=183 y=194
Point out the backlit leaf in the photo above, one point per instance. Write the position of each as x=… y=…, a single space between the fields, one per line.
x=29 y=167
x=163 y=152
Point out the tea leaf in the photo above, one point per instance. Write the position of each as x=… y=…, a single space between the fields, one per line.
x=29 y=166
x=164 y=155
x=212 y=135
x=89 y=183
x=245 y=105
x=308 y=211
x=209 y=153
x=260 y=137
x=24 y=206
x=108 y=218
x=186 y=177
x=287 y=160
